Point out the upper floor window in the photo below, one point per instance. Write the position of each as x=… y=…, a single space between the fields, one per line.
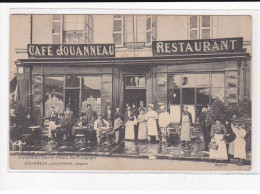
x=72 y=29
x=200 y=27
x=134 y=30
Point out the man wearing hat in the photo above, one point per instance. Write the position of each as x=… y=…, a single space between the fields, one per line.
x=164 y=120
x=151 y=118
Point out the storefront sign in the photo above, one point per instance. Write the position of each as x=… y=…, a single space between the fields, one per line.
x=224 y=45
x=70 y=50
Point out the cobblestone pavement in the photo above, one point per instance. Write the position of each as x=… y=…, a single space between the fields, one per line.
x=135 y=148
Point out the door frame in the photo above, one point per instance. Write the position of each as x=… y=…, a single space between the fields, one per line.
x=134 y=70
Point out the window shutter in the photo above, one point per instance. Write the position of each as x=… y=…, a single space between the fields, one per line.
x=148 y=35
x=89 y=29
x=57 y=29
x=118 y=30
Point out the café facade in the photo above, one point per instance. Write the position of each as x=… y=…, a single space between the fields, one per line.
x=188 y=72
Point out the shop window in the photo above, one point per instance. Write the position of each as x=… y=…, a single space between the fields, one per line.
x=91 y=93
x=53 y=90
x=202 y=80
x=72 y=81
x=194 y=91
x=188 y=96
x=200 y=27
x=118 y=30
x=188 y=80
x=202 y=96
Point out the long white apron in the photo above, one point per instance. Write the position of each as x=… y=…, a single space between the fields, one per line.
x=129 y=130
x=221 y=152
x=151 y=117
x=185 y=128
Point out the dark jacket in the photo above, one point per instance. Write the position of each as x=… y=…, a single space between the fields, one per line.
x=90 y=116
x=127 y=118
x=70 y=117
x=54 y=116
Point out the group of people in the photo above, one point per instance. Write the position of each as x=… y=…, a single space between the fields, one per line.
x=224 y=141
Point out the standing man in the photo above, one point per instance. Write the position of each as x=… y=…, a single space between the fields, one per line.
x=151 y=118
x=164 y=121
x=186 y=122
x=53 y=120
x=205 y=127
x=70 y=121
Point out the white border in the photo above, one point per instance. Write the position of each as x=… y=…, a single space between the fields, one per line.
x=170 y=180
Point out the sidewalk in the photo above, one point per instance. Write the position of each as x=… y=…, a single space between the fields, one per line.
x=132 y=149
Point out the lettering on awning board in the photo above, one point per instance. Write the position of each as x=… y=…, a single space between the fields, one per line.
x=70 y=50
x=224 y=45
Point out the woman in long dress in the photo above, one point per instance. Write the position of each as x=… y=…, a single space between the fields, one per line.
x=186 y=122
x=129 y=119
x=218 y=147
x=239 y=143
x=142 y=130
x=151 y=117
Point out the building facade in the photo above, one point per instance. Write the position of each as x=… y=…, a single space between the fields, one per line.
x=117 y=59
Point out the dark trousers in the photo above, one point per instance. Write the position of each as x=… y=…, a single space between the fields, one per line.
x=206 y=136
x=136 y=131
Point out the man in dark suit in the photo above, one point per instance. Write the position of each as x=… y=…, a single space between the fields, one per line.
x=53 y=120
x=70 y=120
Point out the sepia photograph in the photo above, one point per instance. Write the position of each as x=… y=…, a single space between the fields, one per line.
x=130 y=92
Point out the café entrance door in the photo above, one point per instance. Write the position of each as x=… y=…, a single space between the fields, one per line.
x=135 y=89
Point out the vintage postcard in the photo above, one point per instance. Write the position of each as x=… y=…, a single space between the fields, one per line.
x=130 y=92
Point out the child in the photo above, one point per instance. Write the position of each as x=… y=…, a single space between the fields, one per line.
x=239 y=143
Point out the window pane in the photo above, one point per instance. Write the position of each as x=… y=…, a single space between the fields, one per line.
x=203 y=95
x=175 y=113
x=206 y=33
x=188 y=95
x=174 y=96
x=129 y=28
x=148 y=37
x=72 y=81
x=118 y=39
x=188 y=80
x=218 y=80
x=140 y=28
x=193 y=34
x=218 y=93
x=135 y=81
x=117 y=25
x=193 y=22
x=53 y=90
x=205 y=21
x=174 y=81
x=91 y=93
x=202 y=79
x=148 y=23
